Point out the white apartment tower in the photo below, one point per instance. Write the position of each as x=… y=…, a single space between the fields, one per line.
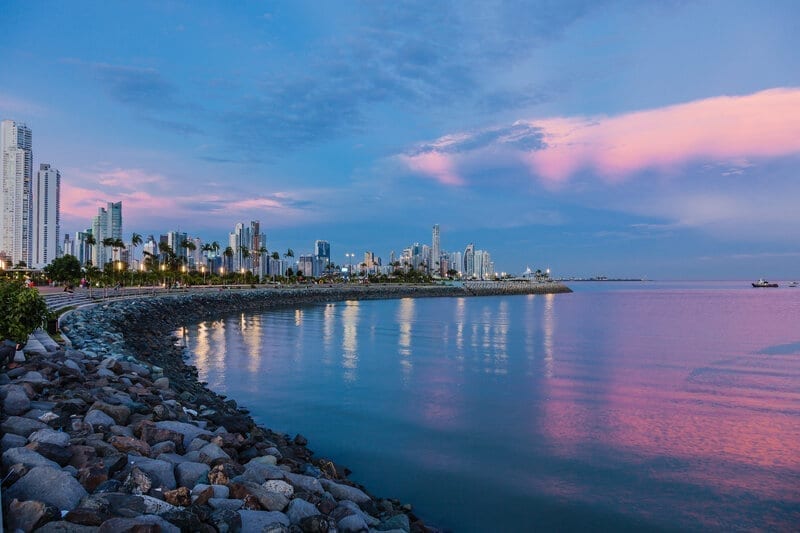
x=46 y=215
x=16 y=169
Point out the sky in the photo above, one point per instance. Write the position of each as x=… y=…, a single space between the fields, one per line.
x=630 y=139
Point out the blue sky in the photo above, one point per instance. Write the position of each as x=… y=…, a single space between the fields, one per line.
x=618 y=138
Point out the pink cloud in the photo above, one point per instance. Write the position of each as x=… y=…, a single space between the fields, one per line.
x=437 y=165
x=128 y=178
x=764 y=124
x=723 y=129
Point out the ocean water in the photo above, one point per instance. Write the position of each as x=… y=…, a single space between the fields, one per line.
x=622 y=406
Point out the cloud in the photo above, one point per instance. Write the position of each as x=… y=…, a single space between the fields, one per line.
x=764 y=124
x=406 y=54
x=143 y=88
x=725 y=128
x=150 y=198
x=436 y=165
x=125 y=179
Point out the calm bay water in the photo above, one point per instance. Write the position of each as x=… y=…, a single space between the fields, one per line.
x=621 y=406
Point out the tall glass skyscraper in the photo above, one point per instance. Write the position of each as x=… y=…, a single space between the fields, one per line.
x=106 y=224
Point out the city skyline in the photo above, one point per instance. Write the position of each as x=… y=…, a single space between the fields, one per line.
x=590 y=138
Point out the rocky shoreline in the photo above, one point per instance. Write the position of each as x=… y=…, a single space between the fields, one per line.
x=115 y=433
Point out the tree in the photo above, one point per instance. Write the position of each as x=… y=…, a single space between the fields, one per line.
x=65 y=268
x=117 y=245
x=276 y=256
x=228 y=253
x=24 y=310
x=136 y=240
x=90 y=241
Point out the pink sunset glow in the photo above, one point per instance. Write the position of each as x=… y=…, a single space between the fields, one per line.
x=764 y=124
x=437 y=165
x=723 y=128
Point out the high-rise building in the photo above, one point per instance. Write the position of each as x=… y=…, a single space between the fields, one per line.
x=322 y=257
x=469 y=261
x=456 y=262
x=46 y=215
x=435 y=250
x=16 y=169
x=305 y=265
x=106 y=224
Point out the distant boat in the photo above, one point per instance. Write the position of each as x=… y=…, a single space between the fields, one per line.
x=762 y=283
x=793 y=284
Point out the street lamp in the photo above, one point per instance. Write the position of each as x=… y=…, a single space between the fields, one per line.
x=222 y=274
x=163 y=275
x=203 y=270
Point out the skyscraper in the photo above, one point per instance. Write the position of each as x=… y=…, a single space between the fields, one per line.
x=16 y=169
x=469 y=261
x=106 y=224
x=322 y=257
x=435 y=252
x=46 y=215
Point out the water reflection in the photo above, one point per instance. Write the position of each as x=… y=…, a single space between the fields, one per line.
x=350 y=340
x=665 y=410
x=328 y=326
x=548 y=323
x=405 y=320
x=252 y=339
x=459 y=319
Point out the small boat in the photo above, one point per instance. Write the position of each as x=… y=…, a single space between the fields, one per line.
x=793 y=284
x=762 y=283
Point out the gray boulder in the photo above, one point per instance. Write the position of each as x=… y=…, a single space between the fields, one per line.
x=96 y=418
x=160 y=472
x=307 y=483
x=225 y=503
x=16 y=401
x=188 y=474
x=48 y=485
x=21 y=426
x=260 y=472
x=189 y=431
x=212 y=451
x=300 y=509
x=50 y=436
x=10 y=440
x=345 y=492
x=139 y=523
x=352 y=524
x=259 y=520
x=27 y=457
x=65 y=527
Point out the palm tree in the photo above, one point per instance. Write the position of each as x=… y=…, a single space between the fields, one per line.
x=108 y=242
x=206 y=249
x=276 y=257
x=118 y=245
x=228 y=253
x=90 y=241
x=136 y=240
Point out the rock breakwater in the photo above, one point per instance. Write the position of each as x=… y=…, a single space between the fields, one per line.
x=115 y=433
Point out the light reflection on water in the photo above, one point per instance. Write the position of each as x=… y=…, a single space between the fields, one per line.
x=674 y=408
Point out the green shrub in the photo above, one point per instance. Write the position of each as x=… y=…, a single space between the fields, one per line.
x=24 y=310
